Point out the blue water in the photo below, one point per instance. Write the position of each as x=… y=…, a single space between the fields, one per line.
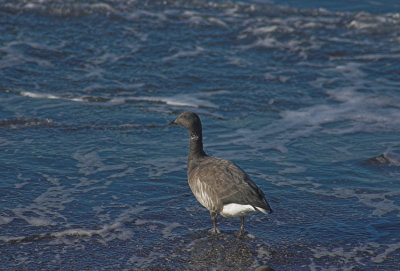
x=300 y=94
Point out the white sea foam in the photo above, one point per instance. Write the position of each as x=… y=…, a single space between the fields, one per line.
x=359 y=255
x=178 y=100
x=39 y=95
x=8 y=239
x=107 y=232
x=217 y=21
x=103 y=6
x=13 y=56
x=185 y=53
x=381 y=257
x=42 y=216
x=22 y=181
x=187 y=100
x=167 y=230
x=379 y=201
x=144 y=261
x=5 y=220
x=264 y=252
x=137 y=14
x=199 y=99
x=123 y=172
x=45 y=209
x=5 y=142
x=49 y=96
x=292 y=168
x=106 y=57
x=362 y=111
x=89 y=162
x=17 y=123
x=378 y=57
x=128 y=213
x=263 y=29
x=194 y=18
x=162 y=166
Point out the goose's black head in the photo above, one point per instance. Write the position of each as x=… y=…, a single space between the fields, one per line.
x=190 y=121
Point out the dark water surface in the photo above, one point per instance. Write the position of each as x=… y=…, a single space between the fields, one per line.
x=300 y=94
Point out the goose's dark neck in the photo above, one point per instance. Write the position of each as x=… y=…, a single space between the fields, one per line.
x=196 y=146
x=196 y=152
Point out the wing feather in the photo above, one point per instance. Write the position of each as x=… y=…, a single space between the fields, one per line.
x=228 y=183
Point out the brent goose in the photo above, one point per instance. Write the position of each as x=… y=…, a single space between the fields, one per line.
x=219 y=185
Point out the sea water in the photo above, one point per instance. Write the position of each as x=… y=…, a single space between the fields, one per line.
x=303 y=95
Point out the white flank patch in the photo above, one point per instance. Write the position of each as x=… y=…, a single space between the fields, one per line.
x=237 y=210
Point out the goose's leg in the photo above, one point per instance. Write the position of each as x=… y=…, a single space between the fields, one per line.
x=241 y=231
x=214 y=221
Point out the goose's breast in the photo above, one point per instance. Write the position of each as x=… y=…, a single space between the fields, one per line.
x=203 y=194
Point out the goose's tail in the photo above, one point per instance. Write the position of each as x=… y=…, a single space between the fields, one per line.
x=264 y=209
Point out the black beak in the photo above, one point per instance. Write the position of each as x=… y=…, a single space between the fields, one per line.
x=172 y=122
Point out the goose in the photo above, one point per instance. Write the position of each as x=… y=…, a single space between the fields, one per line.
x=219 y=185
